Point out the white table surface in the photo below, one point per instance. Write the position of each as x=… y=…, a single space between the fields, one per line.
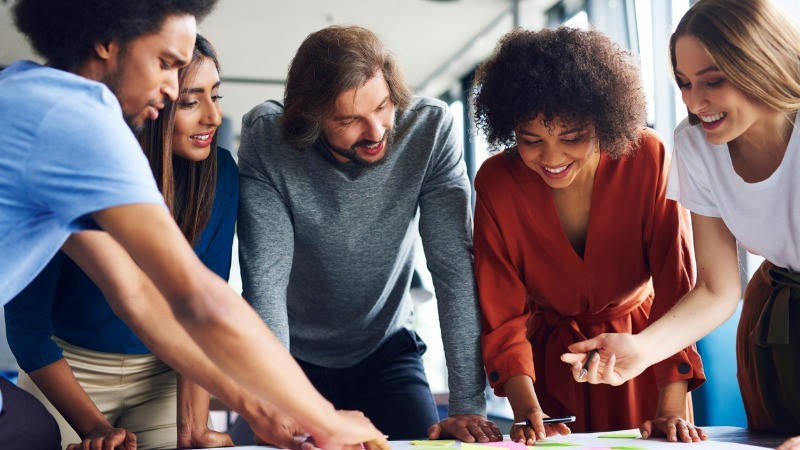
x=719 y=438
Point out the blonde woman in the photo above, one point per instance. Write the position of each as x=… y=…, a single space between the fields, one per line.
x=735 y=166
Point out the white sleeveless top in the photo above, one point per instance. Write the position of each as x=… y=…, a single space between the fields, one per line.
x=764 y=217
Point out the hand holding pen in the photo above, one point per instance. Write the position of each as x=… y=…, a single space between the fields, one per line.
x=547 y=421
x=537 y=426
x=621 y=357
x=592 y=357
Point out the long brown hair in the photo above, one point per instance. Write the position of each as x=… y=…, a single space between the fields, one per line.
x=187 y=186
x=753 y=43
x=329 y=62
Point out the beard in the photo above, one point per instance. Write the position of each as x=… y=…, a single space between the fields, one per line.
x=113 y=81
x=352 y=154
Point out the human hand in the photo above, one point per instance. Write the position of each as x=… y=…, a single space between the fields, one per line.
x=790 y=444
x=674 y=428
x=351 y=431
x=466 y=428
x=106 y=437
x=272 y=427
x=621 y=356
x=203 y=437
x=528 y=435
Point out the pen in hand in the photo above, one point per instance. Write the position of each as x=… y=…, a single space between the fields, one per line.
x=585 y=368
x=547 y=421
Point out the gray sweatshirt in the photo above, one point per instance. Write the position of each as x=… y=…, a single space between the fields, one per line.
x=327 y=249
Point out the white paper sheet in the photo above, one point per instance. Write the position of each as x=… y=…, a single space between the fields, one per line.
x=583 y=441
x=587 y=441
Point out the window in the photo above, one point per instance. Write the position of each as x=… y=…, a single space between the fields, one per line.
x=578 y=20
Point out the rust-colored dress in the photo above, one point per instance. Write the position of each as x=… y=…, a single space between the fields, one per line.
x=538 y=295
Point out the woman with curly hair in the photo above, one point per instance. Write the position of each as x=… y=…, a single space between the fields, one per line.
x=574 y=235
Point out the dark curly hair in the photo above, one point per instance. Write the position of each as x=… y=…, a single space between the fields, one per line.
x=64 y=32
x=576 y=77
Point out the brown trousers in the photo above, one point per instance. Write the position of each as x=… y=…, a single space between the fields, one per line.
x=768 y=350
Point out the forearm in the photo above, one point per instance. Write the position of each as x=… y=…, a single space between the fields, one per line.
x=59 y=385
x=221 y=322
x=185 y=356
x=445 y=228
x=713 y=299
x=672 y=399
x=521 y=396
x=192 y=406
x=233 y=329
x=462 y=346
x=698 y=313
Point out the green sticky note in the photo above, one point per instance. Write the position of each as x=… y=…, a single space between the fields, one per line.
x=627 y=447
x=435 y=443
x=552 y=444
x=631 y=435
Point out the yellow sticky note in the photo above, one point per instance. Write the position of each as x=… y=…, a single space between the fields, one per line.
x=468 y=446
x=435 y=443
x=621 y=435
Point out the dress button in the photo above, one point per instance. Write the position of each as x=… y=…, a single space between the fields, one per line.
x=684 y=368
x=494 y=376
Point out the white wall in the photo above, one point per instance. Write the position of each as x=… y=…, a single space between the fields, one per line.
x=790 y=6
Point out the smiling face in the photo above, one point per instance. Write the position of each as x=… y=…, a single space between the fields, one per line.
x=725 y=112
x=198 y=114
x=144 y=75
x=361 y=124
x=559 y=153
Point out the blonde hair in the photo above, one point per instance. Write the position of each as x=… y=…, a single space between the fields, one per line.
x=753 y=43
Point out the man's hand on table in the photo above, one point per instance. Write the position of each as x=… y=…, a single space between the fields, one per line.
x=204 y=438
x=466 y=428
x=274 y=428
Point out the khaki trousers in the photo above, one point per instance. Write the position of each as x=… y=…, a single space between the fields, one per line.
x=135 y=392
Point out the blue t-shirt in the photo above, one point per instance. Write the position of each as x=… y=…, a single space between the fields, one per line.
x=65 y=152
x=63 y=301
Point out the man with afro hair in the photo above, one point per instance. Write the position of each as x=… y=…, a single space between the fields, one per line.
x=70 y=165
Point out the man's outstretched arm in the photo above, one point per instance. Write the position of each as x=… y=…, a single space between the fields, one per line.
x=221 y=323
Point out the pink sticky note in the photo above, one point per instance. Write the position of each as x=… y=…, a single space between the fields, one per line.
x=510 y=445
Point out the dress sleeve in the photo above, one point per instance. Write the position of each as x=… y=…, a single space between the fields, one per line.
x=670 y=256
x=507 y=352
x=29 y=320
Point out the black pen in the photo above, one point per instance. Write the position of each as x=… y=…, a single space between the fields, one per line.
x=585 y=368
x=548 y=421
